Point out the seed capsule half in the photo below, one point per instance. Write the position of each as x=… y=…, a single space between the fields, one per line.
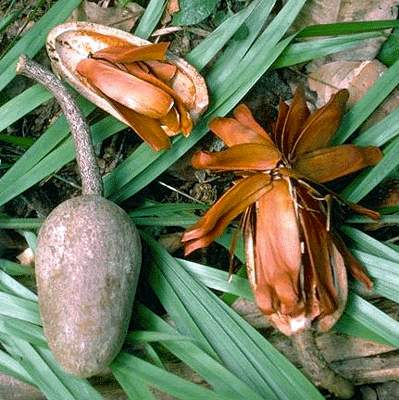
x=77 y=50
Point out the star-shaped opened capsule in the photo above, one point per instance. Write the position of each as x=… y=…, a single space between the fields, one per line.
x=296 y=261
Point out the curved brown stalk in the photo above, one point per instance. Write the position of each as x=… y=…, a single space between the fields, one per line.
x=85 y=157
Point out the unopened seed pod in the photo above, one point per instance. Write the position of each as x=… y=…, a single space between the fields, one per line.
x=87 y=260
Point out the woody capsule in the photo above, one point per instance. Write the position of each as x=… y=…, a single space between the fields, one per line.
x=143 y=85
x=296 y=261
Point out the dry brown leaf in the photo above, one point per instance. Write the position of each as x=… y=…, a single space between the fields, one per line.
x=324 y=12
x=317 y=12
x=117 y=17
x=171 y=8
x=27 y=257
x=171 y=241
x=334 y=347
x=356 y=76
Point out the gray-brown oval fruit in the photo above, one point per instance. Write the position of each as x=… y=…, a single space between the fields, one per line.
x=87 y=265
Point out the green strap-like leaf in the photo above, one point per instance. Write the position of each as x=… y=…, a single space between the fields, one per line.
x=150 y=18
x=22 y=104
x=347 y=28
x=33 y=40
x=365 y=320
x=206 y=50
x=219 y=377
x=297 y=53
x=368 y=103
x=366 y=243
x=124 y=364
x=366 y=181
x=243 y=350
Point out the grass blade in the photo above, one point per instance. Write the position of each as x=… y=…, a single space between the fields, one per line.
x=20 y=223
x=243 y=350
x=219 y=280
x=221 y=379
x=161 y=379
x=259 y=57
x=385 y=219
x=11 y=367
x=33 y=40
x=365 y=320
x=381 y=132
x=226 y=63
x=12 y=286
x=207 y=49
x=51 y=163
x=22 y=104
x=347 y=28
x=15 y=307
x=23 y=330
x=14 y=269
x=150 y=18
x=53 y=136
x=135 y=388
x=370 y=245
x=37 y=368
x=367 y=180
x=297 y=53
x=385 y=274
x=79 y=388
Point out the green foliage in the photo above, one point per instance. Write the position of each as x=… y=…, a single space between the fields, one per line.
x=207 y=335
x=150 y=18
x=389 y=52
x=347 y=28
x=33 y=40
x=193 y=11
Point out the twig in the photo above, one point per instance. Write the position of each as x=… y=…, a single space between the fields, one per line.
x=181 y=193
x=166 y=31
x=85 y=157
x=317 y=367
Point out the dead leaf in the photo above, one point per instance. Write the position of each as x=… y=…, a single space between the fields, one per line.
x=324 y=12
x=118 y=17
x=171 y=241
x=171 y=8
x=317 y=12
x=27 y=257
x=356 y=76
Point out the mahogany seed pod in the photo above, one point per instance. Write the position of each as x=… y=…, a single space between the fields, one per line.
x=88 y=258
